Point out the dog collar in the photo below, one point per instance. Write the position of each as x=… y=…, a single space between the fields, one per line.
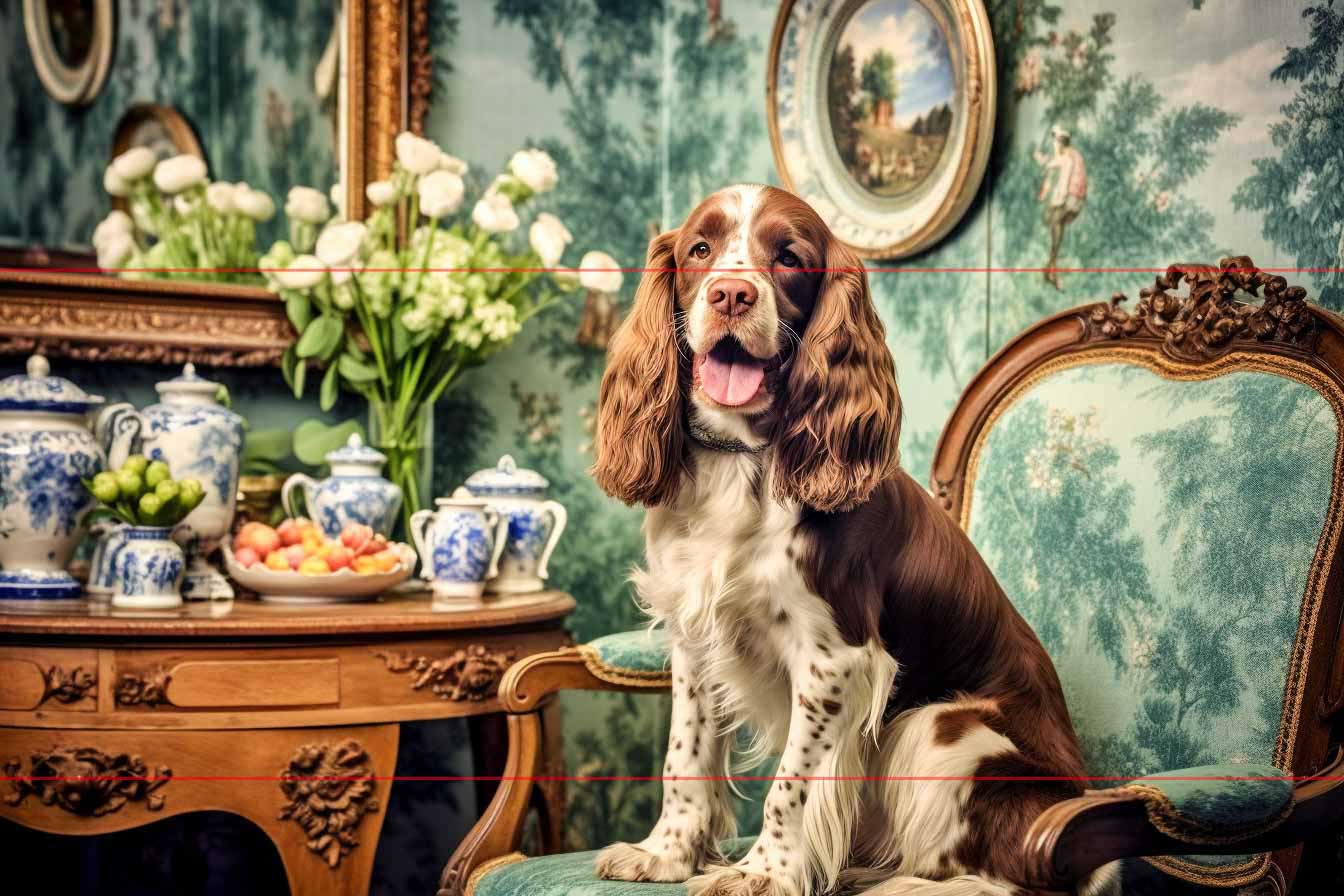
x=715 y=442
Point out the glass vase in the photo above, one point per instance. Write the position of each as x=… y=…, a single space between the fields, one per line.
x=405 y=433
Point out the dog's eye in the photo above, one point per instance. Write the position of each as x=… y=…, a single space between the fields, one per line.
x=700 y=250
x=788 y=259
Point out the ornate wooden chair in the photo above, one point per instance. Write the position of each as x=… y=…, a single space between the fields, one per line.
x=1159 y=489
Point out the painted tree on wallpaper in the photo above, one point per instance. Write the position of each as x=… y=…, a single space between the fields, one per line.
x=1301 y=189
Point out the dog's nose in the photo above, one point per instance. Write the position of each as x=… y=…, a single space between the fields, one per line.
x=732 y=296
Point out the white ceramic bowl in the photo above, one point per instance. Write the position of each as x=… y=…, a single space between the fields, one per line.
x=345 y=586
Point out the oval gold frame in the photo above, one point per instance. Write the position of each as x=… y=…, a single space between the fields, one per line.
x=78 y=85
x=981 y=102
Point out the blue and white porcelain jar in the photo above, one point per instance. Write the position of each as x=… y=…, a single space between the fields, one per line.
x=46 y=449
x=109 y=536
x=201 y=439
x=147 y=569
x=355 y=492
x=535 y=524
x=459 y=544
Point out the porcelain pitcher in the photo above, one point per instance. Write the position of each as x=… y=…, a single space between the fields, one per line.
x=46 y=449
x=459 y=544
x=353 y=493
x=200 y=439
x=535 y=524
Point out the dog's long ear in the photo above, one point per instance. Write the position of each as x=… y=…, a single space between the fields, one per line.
x=641 y=451
x=839 y=429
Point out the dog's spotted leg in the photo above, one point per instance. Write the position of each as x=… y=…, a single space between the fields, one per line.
x=696 y=812
x=839 y=693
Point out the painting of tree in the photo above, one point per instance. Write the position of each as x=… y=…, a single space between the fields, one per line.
x=841 y=88
x=1300 y=189
x=878 y=80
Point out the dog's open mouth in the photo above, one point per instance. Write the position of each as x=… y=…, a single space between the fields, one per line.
x=729 y=374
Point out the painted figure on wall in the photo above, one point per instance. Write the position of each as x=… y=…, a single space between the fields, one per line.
x=1063 y=192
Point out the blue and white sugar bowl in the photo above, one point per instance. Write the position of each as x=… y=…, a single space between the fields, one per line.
x=459 y=544
x=355 y=492
x=46 y=449
x=535 y=524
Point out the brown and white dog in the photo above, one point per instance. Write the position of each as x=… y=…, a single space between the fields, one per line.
x=811 y=590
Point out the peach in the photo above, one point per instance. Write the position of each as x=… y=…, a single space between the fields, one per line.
x=257 y=536
x=278 y=561
x=246 y=557
x=387 y=560
x=339 y=557
x=365 y=565
x=355 y=535
x=295 y=554
x=290 y=532
x=313 y=566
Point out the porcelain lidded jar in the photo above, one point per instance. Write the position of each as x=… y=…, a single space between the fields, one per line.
x=200 y=439
x=535 y=524
x=46 y=449
x=355 y=492
x=459 y=543
x=147 y=569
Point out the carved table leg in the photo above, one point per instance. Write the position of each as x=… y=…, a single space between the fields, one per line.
x=489 y=749
x=318 y=793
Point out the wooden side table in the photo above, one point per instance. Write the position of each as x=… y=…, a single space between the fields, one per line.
x=287 y=716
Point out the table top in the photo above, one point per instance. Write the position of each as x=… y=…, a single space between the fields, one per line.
x=244 y=618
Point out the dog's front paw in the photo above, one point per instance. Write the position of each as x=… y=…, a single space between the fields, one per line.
x=626 y=861
x=736 y=880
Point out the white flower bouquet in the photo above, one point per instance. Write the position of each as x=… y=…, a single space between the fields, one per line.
x=397 y=306
x=181 y=226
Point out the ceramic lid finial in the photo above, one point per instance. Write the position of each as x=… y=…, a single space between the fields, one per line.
x=507 y=465
x=38 y=366
x=189 y=370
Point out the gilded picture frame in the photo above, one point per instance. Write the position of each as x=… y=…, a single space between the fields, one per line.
x=881 y=115
x=387 y=69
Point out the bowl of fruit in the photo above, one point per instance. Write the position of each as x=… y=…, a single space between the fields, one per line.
x=295 y=563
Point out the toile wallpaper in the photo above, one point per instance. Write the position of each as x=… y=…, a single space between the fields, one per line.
x=1204 y=126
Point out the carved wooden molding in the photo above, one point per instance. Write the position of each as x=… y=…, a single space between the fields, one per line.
x=93 y=317
x=67 y=687
x=420 y=67
x=145 y=688
x=1209 y=319
x=329 y=788
x=86 y=781
x=469 y=673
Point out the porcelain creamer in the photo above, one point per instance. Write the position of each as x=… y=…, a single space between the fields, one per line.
x=46 y=449
x=147 y=570
x=459 y=544
x=355 y=492
x=535 y=524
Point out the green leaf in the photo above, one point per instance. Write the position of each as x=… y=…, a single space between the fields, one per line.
x=299 y=310
x=267 y=445
x=401 y=338
x=300 y=378
x=313 y=439
x=326 y=398
x=356 y=371
x=320 y=337
x=288 y=361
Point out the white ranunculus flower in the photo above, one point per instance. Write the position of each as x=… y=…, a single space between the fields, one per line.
x=179 y=173
x=135 y=163
x=416 y=154
x=440 y=193
x=222 y=198
x=381 y=192
x=114 y=250
x=255 y=204
x=113 y=183
x=534 y=168
x=117 y=222
x=343 y=275
x=340 y=243
x=304 y=272
x=494 y=214
x=307 y=205
x=600 y=272
x=453 y=164
x=549 y=237
x=566 y=278
x=185 y=205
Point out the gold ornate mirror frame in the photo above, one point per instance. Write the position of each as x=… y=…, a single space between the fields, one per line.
x=87 y=316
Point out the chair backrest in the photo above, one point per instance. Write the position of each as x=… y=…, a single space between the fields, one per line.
x=1158 y=491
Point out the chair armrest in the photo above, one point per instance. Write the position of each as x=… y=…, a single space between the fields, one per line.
x=630 y=661
x=1162 y=817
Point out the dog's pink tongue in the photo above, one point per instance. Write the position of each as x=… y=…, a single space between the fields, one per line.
x=732 y=381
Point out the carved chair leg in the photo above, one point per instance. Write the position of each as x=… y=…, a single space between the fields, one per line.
x=500 y=830
x=550 y=792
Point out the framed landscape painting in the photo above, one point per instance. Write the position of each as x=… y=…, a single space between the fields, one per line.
x=882 y=114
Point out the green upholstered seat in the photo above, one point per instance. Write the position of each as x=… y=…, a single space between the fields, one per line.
x=1159 y=535
x=571 y=874
x=640 y=651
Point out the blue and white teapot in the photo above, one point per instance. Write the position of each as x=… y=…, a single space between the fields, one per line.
x=353 y=493
x=459 y=544
x=46 y=449
x=535 y=524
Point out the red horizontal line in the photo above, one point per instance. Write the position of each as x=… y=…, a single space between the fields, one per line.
x=645 y=270
x=609 y=778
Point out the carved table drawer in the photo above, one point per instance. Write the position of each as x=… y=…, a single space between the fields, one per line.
x=49 y=679
x=227 y=683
